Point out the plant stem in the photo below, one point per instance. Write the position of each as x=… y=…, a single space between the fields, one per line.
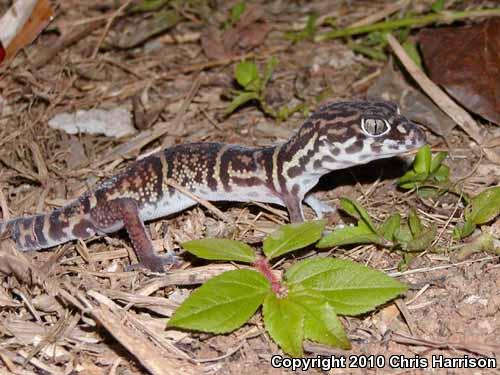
x=263 y=266
x=445 y=17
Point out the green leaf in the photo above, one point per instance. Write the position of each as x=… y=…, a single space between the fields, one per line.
x=241 y=99
x=307 y=33
x=423 y=240
x=414 y=222
x=403 y=234
x=389 y=226
x=410 y=179
x=463 y=231
x=428 y=192
x=437 y=6
x=310 y=29
x=223 y=303
x=442 y=174
x=220 y=249
x=237 y=11
x=437 y=160
x=268 y=72
x=354 y=209
x=321 y=323
x=422 y=162
x=284 y=321
x=147 y=6
x=247 y=73
x=349 y=236
x=405 y=261
x=291 y=237
x=483 y=242
x=484 y=207
x=350 y=288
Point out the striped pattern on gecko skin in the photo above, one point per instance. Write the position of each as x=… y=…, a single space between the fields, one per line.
x=338 y=135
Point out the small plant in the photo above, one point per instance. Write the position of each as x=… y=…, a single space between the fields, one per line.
x=253 y=85
x=428 y=174
x=304 y=304
x=409 y=237
x=308 y=32
x=481 y=209
x=235 y=14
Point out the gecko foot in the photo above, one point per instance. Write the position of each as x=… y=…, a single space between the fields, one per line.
x=155 y=263
x=320 y=208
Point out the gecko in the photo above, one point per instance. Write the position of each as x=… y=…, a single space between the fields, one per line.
x=338 y=135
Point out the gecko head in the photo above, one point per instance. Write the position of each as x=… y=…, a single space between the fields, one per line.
x=361 y=131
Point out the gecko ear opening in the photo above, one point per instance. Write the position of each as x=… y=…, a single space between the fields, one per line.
x=375 y=127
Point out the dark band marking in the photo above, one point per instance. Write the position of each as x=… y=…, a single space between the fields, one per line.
x=355 y=147
x=29 y=242
x=56 y=226
x=38 y=224
x=325 y=159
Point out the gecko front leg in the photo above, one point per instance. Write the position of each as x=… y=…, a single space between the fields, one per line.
x=124 y=212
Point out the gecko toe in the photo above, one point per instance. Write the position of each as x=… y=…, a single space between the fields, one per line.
x=155 y=263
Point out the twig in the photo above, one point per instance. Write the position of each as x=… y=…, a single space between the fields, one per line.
x=4 y=207
x=450 y=218
x=44 y=55
x=111 y=317
x=108 y=25
x=443 y=267
x=185 y=104
x=443 y=17
x=442 y=100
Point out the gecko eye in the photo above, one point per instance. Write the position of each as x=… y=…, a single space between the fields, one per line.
x=375 y=127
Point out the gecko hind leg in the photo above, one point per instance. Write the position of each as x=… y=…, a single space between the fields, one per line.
x=125 y=212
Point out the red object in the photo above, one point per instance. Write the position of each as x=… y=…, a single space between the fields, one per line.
x=2 y=52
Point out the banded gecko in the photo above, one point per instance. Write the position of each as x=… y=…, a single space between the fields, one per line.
x=337 y=136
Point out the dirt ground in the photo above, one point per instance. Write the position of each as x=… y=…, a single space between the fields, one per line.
x=74 y=309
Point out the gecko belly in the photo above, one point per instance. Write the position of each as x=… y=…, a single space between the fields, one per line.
x=171 y=204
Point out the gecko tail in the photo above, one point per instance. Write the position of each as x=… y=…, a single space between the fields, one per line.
x=3 y=229
x=47 y=230
x=28 y=233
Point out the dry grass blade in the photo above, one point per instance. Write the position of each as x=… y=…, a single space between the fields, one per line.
x=108 y=25
x=378 y=16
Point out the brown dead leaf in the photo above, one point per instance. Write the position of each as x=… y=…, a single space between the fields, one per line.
x=39 y=18
x=466 y=62
x=70 y=34
x=15 y=266
x=250 y=32
x=211 y=42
